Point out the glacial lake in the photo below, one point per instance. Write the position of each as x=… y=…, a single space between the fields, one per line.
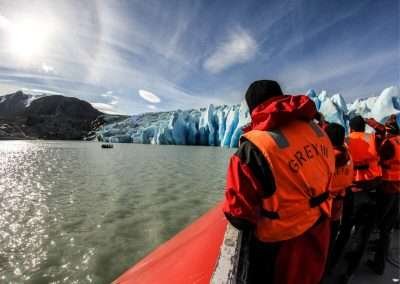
x=72 y=212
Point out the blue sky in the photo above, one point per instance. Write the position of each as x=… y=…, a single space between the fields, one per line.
x=138 y=56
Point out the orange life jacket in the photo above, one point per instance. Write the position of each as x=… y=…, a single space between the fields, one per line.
x=362 y=148
x=302 y=162
x=342 y=179
x=391 y=168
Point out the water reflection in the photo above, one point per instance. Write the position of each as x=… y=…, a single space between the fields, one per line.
x=24 y=211
x=74 y=213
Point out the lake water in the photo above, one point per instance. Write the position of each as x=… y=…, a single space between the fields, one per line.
x=71 y=212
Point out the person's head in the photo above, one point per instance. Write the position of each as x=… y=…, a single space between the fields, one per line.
x=336 y=134
x=391 y=125
x=357 y=124
x=260 y=91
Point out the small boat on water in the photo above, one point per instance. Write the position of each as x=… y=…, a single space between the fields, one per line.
x=107 y=146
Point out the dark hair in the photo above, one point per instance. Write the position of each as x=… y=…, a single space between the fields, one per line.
x=357 y=123
x=260 y=91
x=336 y=134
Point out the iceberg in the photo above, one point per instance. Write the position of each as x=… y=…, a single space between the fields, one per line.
x=222 y=125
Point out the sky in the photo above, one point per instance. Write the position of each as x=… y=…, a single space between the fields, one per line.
x=132 y=57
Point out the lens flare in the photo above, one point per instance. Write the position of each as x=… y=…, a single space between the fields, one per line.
x=28 y=37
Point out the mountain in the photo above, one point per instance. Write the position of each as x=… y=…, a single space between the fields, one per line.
x=24 y=116
x=222 y=125
x=15 y=104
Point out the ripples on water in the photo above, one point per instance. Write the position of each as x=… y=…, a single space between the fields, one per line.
x=71 y=212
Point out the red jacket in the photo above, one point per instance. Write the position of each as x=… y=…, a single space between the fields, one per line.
x=249 y=176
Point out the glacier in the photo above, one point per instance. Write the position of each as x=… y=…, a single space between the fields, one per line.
x=222 y=125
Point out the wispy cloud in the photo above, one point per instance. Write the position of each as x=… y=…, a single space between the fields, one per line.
x=106 y=108
x=238 y=47
x=41 y=91
x=149 y=96
x=192 y=54
x=47 y=68
x=4 y=22
x=113 y=100
x=337 y=68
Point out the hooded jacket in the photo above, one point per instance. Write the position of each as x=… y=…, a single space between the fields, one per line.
x=249 y=176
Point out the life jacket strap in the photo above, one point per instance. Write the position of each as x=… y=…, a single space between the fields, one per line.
x=317 y=200
x=313 y=202
x=317 y=130
x=361 y=167
x=279 y=138
x=269 y=214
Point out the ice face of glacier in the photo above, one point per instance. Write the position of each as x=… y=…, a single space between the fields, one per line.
x=313 y=95
x=221 y=122
x=332 y=112
x=323 y=96
x=386 y=104
x=178 y=127
x=244 y=119
x=339 y=101
x=231 y=123
x=222 y=125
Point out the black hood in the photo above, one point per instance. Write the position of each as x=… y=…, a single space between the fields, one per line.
x=260 y=91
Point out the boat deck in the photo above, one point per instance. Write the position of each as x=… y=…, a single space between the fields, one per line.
x=232 y=269
x=212 y=251
x=365 y=276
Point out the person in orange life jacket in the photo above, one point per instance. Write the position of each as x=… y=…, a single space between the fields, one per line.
x=360 y=205
x=388 y=195
x=364 y=151
x=277 y=187
x=342 y=180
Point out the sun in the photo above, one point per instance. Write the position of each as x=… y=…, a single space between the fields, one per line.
x=29 y=37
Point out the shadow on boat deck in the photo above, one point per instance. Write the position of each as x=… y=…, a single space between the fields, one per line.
x=233 y=263
x=364 y=275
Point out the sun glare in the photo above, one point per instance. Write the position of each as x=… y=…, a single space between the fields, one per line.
x=28 y=38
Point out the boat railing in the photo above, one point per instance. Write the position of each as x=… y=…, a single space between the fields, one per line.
x=233 y=262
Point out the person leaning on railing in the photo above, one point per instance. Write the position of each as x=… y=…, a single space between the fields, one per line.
x=341 y=183
x=360 y=202
x=388 y=194
x=277 y=187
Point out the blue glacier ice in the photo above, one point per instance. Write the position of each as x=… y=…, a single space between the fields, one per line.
x=231 y=123
x=386 y=103
x=222 y=125
x=313 y=95
x=244 y=119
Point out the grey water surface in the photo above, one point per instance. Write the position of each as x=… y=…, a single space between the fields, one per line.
x=71 y=212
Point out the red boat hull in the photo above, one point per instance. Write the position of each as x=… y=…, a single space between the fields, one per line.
x=189 y=257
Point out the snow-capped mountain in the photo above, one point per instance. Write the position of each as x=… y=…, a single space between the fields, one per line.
x=222 y=125
x=24 y=116
x=16 y=103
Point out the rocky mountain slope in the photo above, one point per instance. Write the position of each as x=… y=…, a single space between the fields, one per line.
x=24 y=116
